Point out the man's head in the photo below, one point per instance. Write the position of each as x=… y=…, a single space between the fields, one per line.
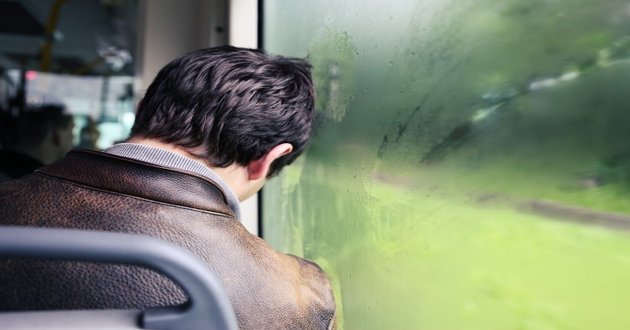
x=229 y=106
x=44 y=133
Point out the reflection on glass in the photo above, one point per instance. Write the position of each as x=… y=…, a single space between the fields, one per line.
x=471 y=169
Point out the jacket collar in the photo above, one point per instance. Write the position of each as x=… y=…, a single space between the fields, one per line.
x=166 y=158
x=132 y=177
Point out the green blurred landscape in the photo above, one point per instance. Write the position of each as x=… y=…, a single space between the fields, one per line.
x=471 y=166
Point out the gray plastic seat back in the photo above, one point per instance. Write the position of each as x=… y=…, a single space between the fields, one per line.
x=208 y=306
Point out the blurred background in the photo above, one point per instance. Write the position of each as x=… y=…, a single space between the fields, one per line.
x=77 y=54
x=470 y=168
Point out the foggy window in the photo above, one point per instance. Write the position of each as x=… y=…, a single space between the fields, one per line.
x=471 y=164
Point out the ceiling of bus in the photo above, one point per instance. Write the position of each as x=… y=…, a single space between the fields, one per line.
x=90 y=37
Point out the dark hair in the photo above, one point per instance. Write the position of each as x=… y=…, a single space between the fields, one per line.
x=229 y=104
x=36 y=122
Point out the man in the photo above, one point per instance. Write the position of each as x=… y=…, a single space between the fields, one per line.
x=39 y=136
x=211 y=128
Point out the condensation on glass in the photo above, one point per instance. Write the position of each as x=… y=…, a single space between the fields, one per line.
x=471 y=164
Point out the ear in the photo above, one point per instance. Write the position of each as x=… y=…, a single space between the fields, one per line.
x=259 y=168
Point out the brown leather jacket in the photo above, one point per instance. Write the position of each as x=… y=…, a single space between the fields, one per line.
x=97 y=191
